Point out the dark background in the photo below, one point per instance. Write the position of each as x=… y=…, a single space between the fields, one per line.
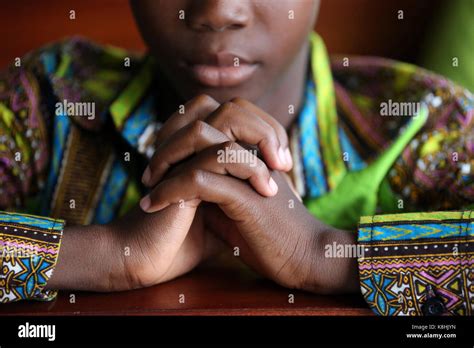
x=368 y=27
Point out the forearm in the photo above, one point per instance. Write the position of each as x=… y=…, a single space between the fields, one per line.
x=87 y=260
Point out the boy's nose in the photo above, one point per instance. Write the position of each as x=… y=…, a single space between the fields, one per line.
x=218 y=15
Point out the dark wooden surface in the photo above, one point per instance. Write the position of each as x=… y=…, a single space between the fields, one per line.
x=221 y=287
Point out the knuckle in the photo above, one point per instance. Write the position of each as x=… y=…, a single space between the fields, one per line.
x=198 y=128
x=270 y=137
x=283 y=141
x=197 y=177
x=224 y=118
x=163 y=165
x=261 y=169
x=157 y=166
x=281 y=130
x=159 y=161
x=226 y=109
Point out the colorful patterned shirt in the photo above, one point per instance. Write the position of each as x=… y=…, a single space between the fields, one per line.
x=380 y=176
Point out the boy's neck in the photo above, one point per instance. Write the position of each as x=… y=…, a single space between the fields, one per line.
x=289 y=91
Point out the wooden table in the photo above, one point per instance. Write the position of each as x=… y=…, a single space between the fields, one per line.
x=221 y=287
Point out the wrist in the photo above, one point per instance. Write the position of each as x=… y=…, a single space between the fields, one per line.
x=111 y=274
x=117 y=273
x=330 y=270
x=87 y=260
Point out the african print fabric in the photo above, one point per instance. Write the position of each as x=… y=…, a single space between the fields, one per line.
x=29 y=247
x=416 y=259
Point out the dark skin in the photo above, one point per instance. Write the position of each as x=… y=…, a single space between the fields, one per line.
x=259 y=31
x=197 y=203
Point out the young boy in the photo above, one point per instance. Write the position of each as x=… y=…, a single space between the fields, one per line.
x=259 y=119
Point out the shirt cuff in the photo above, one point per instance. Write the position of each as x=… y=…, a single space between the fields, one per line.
x=29 y=247
x=418 y=263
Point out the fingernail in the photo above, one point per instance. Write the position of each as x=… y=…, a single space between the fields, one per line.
x=273 y=186
x=282 y=156
x=289 y=158
x=146 y=176
x=145 y=203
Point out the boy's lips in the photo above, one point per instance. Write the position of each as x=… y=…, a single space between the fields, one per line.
x=223 y=69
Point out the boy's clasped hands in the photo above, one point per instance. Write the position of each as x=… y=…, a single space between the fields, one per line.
x=199 y=203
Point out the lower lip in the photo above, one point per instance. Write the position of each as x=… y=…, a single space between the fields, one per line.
x=222 y=76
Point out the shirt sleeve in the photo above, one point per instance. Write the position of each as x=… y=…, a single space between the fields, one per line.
x=29 y=250
x=435 y=172
x=418 y=263
x=29 y=244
